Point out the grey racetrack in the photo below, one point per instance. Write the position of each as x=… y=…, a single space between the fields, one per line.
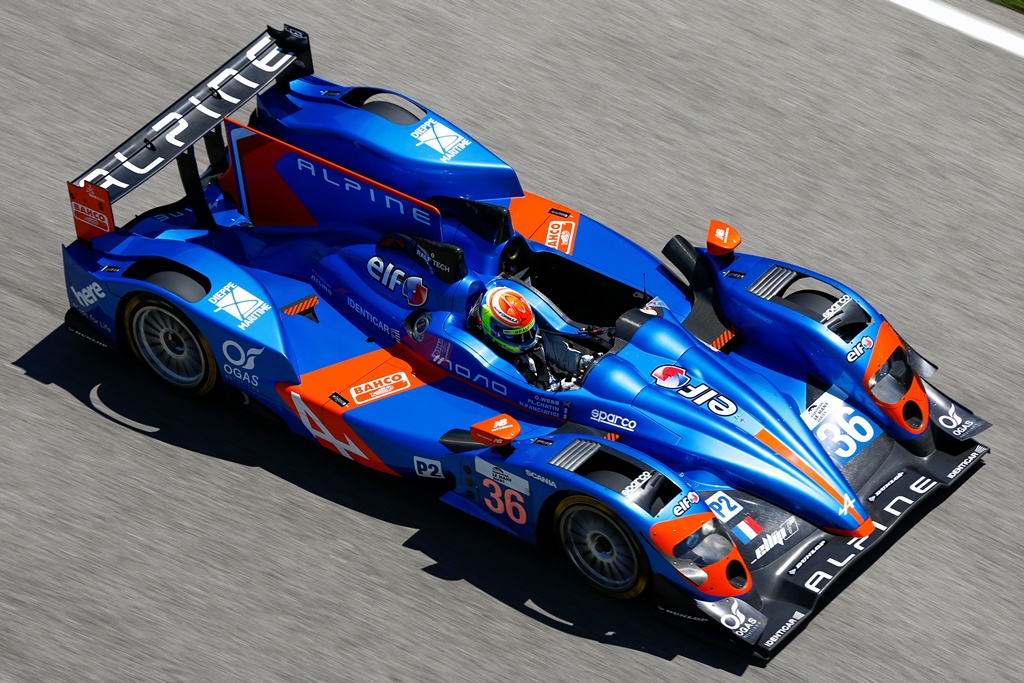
x=147 y=538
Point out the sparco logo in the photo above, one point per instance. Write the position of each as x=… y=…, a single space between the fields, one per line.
x=859 y=349
x=392 y=276
x=636 y=484
x=835 y=308
x=784 y=629
x=380 y=387
x=612 y=420
x=674 y=377
x=88 y=295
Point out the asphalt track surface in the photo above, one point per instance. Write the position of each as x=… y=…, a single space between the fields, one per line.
x=190 y=542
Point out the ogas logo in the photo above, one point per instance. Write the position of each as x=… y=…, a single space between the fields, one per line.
x=240 y=362
x=612 y=420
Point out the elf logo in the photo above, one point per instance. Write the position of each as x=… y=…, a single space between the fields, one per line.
x=860 y=348
x=674 y=377
x=392 y=277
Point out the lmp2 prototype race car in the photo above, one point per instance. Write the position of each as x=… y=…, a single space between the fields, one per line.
x=746 y=432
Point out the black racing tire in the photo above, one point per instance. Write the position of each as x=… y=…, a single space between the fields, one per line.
x=814 y=303
x=601 y=547
x=170 y=345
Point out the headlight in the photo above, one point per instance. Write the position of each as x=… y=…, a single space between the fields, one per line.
x=892 y=381
x=705 y=546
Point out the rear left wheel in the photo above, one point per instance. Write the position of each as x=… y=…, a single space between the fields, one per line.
x=163 y=338
x=601 y=547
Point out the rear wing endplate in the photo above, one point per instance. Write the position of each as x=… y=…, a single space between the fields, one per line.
x=275 y=54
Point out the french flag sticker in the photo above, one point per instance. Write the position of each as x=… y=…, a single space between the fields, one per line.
x=747 y=530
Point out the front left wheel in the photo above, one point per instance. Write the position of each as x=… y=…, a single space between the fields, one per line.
x=601 y=547
x=163 y=338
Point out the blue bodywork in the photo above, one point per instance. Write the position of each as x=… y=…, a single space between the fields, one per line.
x=773 y=432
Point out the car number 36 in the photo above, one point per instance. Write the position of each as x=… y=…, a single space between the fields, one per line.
x=842 y=434
x=504 y=501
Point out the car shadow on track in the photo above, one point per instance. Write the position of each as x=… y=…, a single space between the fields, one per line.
x=533 y=581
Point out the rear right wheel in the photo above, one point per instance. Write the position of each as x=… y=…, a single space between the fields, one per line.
x=163 y=338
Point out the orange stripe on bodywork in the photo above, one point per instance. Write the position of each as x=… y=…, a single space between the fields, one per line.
x=323 y=397
x=770 y=440
x=301 y=305
x=531 y=216
x=724 y=338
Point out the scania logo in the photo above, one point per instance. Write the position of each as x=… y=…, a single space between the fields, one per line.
x=612 y=420
x=675 y=377
x=391 y=276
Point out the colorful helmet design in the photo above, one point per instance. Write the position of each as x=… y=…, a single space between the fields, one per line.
x=507 y=319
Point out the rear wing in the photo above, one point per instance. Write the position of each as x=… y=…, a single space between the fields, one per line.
x=283 y=55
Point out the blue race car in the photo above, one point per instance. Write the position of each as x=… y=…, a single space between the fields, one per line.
x=742 y=432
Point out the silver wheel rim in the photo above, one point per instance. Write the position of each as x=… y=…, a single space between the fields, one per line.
x=599 y=549
x=169 y=347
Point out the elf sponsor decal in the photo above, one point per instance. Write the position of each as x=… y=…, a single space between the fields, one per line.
x=747 y=530
x=561 y=235
x=860 y=348
x=391 y=277
x=89 y=295
x=724 y=507
x=440 y=138
x=784 y=629
x=612 y=420
x=675 y=377
x=843 y=431
x=240 y=362
x=776 y=538
x=683 y=506
x=239 y=304
x=380 y=387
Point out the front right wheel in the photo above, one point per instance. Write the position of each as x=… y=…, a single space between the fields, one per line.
x=601 y=548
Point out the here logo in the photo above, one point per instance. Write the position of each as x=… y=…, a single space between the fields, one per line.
x=88 y=295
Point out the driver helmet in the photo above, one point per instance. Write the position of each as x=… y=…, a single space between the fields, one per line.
x=507 y=320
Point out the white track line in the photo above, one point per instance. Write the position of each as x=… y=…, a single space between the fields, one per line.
x=965 y=23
